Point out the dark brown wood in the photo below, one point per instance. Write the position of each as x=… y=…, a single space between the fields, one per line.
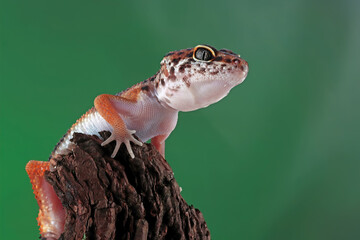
x=122 y=198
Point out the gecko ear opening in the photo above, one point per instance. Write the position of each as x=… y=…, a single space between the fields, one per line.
x=51 y=218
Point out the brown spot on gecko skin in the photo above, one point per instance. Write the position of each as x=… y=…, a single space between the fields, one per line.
x=202 y=70
x=162 y=82
x=157 y=84
x=152 y=78
x=175 y=61
x=179 y=53
x=214 y=73
x=242 y=67
x=182 y=68
x=223 y=65
x=145 y=88
x=172 y=75
x=218 y=58
x=228 y=60
x=190 y=54
x=186 y=81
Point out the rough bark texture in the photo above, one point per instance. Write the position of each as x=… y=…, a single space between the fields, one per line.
x=122 y=198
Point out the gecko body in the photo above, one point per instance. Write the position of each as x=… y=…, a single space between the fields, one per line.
x=188 y=79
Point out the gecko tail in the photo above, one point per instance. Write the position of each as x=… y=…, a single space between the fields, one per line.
x=51 y=218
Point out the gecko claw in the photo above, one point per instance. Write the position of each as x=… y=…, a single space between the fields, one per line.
x=121 y=138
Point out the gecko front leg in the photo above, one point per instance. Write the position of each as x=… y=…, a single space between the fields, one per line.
x=111 y=108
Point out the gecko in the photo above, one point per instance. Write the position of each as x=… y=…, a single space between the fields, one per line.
x=188 y=80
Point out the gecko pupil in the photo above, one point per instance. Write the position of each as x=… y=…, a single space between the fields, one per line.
x=203 y=54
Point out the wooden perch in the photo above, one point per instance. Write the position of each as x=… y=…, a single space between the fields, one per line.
x=121 y=198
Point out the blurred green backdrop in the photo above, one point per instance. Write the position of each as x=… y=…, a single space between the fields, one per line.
x=279 y=158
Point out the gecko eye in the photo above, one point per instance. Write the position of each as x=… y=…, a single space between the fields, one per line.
x=203 y=53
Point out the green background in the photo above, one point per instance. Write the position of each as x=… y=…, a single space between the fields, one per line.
x=279 y=158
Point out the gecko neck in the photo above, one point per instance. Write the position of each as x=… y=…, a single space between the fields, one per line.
x=155 y=83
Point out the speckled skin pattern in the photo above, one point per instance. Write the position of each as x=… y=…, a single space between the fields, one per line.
x=188 y=79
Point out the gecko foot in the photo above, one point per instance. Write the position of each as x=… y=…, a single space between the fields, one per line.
x=122 y=138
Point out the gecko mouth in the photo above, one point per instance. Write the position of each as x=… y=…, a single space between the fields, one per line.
x=51 y=218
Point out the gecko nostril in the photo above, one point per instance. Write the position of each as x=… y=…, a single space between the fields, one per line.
x=241 y=64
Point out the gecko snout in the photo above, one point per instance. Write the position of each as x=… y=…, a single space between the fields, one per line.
x=243 y=65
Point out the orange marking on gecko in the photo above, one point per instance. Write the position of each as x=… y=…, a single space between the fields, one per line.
x=105 y=107
x=51 y=216
x=132 y=94
x=165 y=71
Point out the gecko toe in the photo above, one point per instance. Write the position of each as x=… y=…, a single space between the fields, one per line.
x=116 y=149
x=128 y=146
x=137 y=142
x=107 y=141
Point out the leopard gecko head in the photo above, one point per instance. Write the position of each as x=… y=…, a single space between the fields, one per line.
x=194 y=78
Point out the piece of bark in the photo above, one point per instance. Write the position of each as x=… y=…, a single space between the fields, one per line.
x=121 y=198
